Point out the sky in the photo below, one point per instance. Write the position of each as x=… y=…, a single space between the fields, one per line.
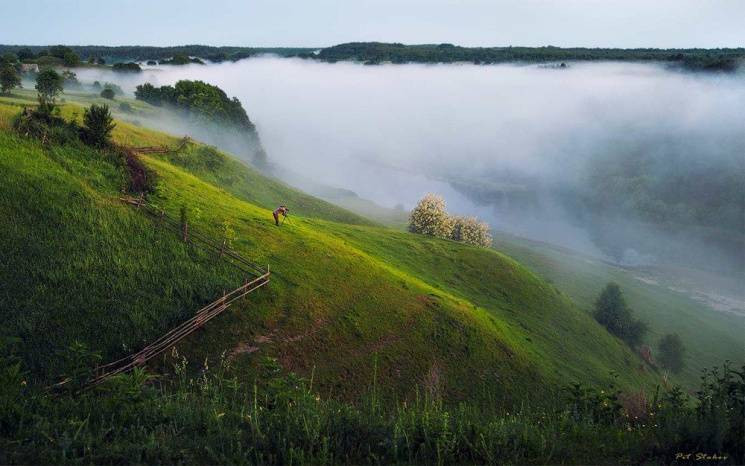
x=320 y=23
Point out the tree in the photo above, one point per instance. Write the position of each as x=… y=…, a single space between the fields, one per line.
x=108 y=93
x=48 y=85
x=9 y=78
x=612 y=312
x=71 y=59
x=472 y=231
x=25 y=54
x=671 y=352
x=97 y=126
x=429 y=217
x=9 y=58
x=70 y=80
x=59 y=51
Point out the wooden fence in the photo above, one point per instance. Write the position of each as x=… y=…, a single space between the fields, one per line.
x=257 y=277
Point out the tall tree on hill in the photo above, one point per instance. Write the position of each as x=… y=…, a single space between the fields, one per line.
x=612 y=312
x=9 y=78
x=49 y=85
x=671 y=351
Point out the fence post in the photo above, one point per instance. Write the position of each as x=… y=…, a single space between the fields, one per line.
x=184 y=225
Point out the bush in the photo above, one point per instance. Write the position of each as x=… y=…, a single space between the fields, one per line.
x=612 y=312
x=125 y=107
x=472 y=231
x=671 y=351
x=45 y=127
x=429 y=217
x=117 y=89
x=108 y=93
x=97 y=126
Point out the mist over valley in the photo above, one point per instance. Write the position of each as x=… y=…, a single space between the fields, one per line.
x=637 y=164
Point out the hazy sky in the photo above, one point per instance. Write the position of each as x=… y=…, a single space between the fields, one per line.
x=594 y=23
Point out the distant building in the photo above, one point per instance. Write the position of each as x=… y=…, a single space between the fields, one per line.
x=29 y=68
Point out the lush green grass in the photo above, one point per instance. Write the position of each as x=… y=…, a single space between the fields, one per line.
x=79 y=265
x=710 y=336
x=276 y=419
x=467 y=323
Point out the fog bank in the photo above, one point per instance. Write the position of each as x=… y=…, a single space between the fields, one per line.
x=491 y=139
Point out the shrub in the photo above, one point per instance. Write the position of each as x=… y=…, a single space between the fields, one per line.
x=472 y=231
x=612 y=312
x=671 y=351
x=45 y=127
x=117 y=89
x=108 y=93
x=429 y=217
x=125 y=107
x=97 y=126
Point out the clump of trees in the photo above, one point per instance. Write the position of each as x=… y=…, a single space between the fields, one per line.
x=108 y=93
x=207 y=104
x=671 y=352
x=430 y=217
x=612 y=312
x=199 y=99
x=130 y=67
x=181 y=59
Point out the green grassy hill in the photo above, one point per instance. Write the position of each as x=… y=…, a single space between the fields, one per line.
x=348 y=302
x=710 y=336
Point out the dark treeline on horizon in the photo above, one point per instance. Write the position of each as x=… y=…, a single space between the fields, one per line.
x=723 y=59
x=377 y=52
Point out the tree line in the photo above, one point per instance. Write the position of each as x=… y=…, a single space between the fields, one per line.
x=379 y=52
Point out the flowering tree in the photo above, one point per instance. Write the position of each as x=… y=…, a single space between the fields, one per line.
x=472 y=231
x=429 y=217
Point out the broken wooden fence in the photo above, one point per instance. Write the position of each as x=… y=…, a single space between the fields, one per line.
x=258 y=277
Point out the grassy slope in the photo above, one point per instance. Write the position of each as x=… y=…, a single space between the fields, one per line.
x=710 y=336
x=454 y=318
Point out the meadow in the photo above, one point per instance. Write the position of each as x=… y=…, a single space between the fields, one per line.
x=369 y=345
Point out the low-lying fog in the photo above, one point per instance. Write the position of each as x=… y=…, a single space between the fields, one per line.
x=472 y=133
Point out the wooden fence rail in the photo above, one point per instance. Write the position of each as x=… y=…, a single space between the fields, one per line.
x=257 y=277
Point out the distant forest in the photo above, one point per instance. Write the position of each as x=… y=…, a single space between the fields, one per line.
x=378 y=52
x=372 y=53
x=144 y=53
